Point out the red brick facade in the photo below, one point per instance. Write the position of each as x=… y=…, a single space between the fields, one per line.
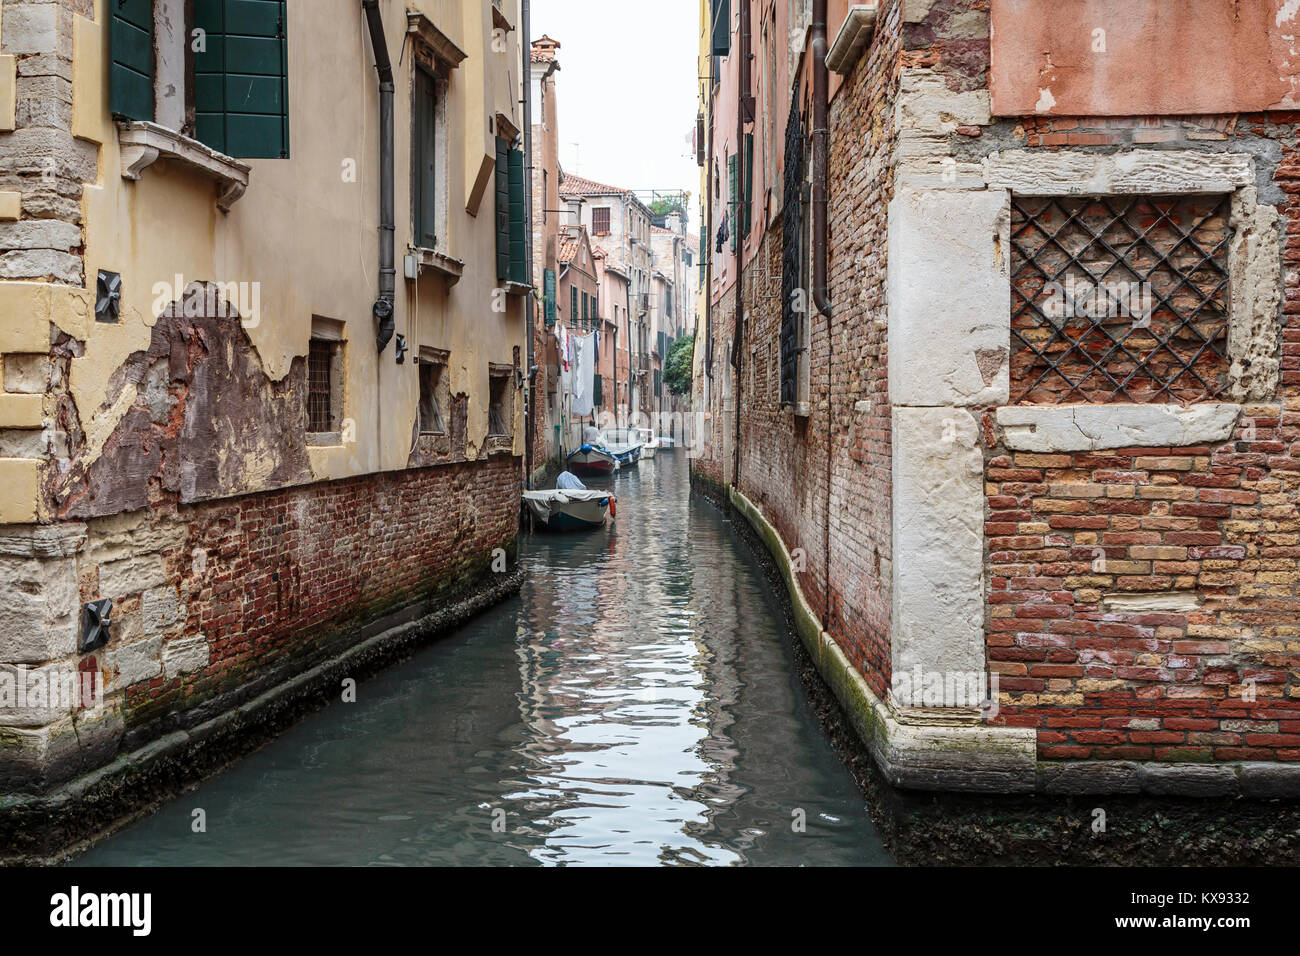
x=785 y=467
x=268 y=578
x=1142 y=603
x=1217 y=525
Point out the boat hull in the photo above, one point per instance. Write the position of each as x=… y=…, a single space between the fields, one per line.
x=569 y=510
x=591 y=461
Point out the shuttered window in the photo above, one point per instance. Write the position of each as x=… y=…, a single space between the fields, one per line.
x=503 y=207
x=586 y=316
x=597 y=391
x=511 y=213
x=721 y=27
x=131 y=67
x=573 y=305
x=600 y=220
x=518 y=219
x=548 y=290
x=733 y=200
x=241 y=88
x=747 y=200
x=425 y=185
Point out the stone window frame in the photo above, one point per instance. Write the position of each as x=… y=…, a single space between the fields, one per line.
x=333 y=332
x=436 y=359
x=171 y=135
x=1254 y=258
x=500 y=376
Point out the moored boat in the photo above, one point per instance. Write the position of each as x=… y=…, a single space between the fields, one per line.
x=649 y=443
x=590 y=460
x=570 y=509
x=623 y=445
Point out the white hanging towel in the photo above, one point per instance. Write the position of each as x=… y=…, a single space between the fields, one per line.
x=584 y=368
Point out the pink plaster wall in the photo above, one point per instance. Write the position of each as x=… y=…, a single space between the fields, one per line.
x=1162 y=57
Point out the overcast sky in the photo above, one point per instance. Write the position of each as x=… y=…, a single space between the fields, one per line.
x=626 y=89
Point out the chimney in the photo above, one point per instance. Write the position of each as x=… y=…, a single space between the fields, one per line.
x=544 y=49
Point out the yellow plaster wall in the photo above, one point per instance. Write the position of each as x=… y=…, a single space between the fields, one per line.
x=303 y=232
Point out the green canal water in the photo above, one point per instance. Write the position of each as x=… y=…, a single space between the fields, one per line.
x=637 y=704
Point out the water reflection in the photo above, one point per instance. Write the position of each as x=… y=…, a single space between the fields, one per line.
x=635 y=705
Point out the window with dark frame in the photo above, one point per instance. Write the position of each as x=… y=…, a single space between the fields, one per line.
x=320 y=386
x=1119 y=298
x=600 y=220
x=497 y=418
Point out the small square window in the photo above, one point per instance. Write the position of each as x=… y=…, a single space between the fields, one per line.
x=600 y=220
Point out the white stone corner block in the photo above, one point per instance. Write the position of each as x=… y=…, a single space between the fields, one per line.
x=1061 y=428
x=938 y=531
x=949 y=294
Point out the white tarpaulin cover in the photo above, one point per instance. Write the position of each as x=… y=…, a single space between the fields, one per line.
x=582 y=504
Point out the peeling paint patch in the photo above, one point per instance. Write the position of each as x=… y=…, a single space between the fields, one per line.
x=180 y=421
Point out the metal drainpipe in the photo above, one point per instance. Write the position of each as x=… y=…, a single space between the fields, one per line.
x=383 y=308
x=820 y=133
x=530 y=306
x=737 y=356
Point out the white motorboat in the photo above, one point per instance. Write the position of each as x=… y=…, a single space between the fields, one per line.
x=570 y=509
x=649 y=443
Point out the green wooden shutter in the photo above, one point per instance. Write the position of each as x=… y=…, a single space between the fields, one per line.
x=586 y=317
x=426 y=236
x=518 y=219
x=733 y=201
x=131 y=58
x=548 y=291
x=503 y=208
x=663 y=345
x=748 y=201
x=721 y=27
x=573 y=305
x=704 y=250
x=241 y=80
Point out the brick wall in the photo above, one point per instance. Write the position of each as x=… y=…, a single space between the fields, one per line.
x=269 y=577
x=785 y=467
x=1084 y=548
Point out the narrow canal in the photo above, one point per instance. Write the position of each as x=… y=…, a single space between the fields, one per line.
x=638 y=703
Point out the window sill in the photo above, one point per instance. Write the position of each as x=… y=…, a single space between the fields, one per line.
x=802 y=409
x=518 y=288
x=142 y=144
x=436 y=261
x=324 y=439
x=854 y=36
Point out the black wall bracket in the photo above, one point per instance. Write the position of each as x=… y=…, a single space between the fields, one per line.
x=96 y=619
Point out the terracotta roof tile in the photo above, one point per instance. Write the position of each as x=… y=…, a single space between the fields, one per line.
x=574 y=185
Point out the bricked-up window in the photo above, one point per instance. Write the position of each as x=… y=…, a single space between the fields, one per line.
x=500 y=405
x=320 y=386
x=433 y=386
x=1119 y=298
x=600 y=220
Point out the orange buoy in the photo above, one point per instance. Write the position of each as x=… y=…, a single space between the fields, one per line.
x=613 y=507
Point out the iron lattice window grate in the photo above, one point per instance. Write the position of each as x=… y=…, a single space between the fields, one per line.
x=320 y=410
x=1119 y=297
